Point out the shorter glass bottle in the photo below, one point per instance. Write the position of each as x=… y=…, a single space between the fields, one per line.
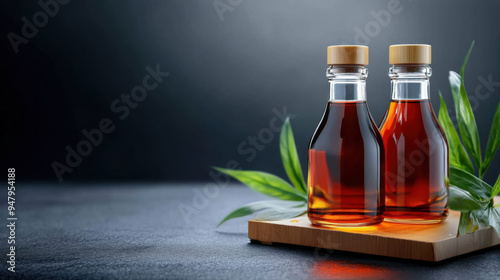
x=346 y=154
x=415 y=145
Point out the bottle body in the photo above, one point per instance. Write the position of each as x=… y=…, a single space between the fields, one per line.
x=346 y=158
x=416 y=151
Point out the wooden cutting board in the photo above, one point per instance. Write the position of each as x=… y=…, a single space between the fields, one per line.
x=417 y=242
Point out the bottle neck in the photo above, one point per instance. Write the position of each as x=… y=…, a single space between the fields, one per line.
x=410 y=82
x=347 y=82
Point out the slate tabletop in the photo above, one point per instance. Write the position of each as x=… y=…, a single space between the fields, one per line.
x=168 y=231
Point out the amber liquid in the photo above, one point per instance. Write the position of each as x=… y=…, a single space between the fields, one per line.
x=416 y=164
x=346 y=166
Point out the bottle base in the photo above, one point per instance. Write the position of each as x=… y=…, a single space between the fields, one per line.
x=415 y=217
x=413 y=221
x=344 y=220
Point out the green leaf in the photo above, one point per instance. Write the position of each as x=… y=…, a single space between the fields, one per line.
x=493 y=142
x=275 y=214
x=458 y=155
x=470 y=183
x=473 y=224
x=266 y=183
x=461 y=200
x=462 y=70
x=466 y=120
x=259 y=206
x=481 y=216
x=495 y=220
x=463 y=222
x=290 y=157
x=496 y=187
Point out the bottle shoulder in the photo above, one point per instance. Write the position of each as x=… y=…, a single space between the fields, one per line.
x=349 y=123
x=410 y=120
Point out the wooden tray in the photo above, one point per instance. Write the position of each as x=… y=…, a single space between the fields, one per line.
x=417 y=242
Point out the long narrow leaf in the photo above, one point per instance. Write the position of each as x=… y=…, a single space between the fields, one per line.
x=290 y=157
x=462 y=70
x=473 y=224
x=468 y=182
x=266 y=183
x=259 y=206
x=495 y=220
x=466 y=120
x=458 y=155
x=482 y=217
x=275 y=214
x=493 y=142
x=463 y=222
x=496 y=187
x=463 y=201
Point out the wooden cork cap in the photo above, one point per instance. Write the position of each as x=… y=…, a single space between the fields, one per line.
x=344 y=54
x=410 y=54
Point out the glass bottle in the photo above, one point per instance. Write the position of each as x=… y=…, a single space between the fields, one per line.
x=346 y=154
x=416 y=150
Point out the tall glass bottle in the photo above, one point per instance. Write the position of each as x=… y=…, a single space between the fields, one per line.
x=415 y=145
x=346 y=154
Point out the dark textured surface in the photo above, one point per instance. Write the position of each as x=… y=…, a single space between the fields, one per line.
x=138 y=232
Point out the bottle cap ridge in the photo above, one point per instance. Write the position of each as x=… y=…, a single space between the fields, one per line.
x=410 y=54
x=347 y=54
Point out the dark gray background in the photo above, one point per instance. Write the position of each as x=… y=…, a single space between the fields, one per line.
x=226 y=76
